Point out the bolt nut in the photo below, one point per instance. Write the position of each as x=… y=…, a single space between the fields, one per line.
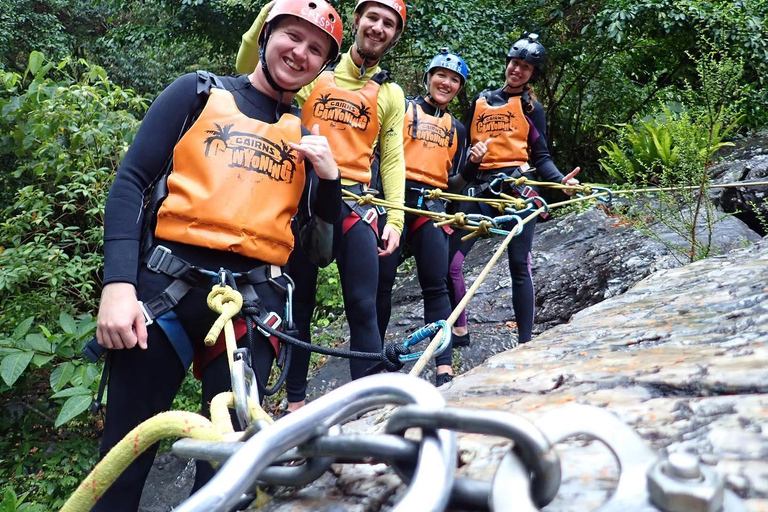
x=680 y=484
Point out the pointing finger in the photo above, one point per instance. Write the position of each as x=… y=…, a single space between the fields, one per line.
x=572 y=174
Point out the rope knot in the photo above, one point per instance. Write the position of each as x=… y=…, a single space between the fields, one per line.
x=365 y=199
x=520 y=181
x=483 y=227
x=460 y=219
x=225 y=301
x=251 y=308
x=391 y=356
x=519 y=204
x=433 y=194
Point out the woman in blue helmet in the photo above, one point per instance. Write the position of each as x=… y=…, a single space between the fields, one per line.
x=515 y=122
x=434 y=143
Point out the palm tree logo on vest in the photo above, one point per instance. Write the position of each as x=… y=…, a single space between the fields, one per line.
x=251 y=152
x=337 y=110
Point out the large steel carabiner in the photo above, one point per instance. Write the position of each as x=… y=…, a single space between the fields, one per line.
x=240 y=473
x=638 y=464
x=244 y=387
x=530 y=445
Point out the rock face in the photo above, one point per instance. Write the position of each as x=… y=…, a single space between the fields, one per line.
x=681 y=357
x=578 y=260
x=749 y=162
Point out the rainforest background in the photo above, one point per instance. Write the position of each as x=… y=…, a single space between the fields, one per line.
x=637 y=92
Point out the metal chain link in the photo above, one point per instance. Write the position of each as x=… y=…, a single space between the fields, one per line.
x=528 y=476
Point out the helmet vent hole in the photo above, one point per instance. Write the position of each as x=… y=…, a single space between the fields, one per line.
x=312 y=5
x=332 y=18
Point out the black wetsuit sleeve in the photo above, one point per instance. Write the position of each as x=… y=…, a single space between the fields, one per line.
x=539 y=156
x=318 y=218
x=149 y=154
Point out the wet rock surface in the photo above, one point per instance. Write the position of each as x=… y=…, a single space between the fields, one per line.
x=681 y=358
x=578 y=260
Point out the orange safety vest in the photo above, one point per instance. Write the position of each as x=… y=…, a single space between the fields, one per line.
x=350 y=122
x=235 y=183
x=429 y=144
x=507 y=126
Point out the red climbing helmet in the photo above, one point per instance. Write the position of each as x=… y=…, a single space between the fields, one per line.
x=396 y=5
x=317 y=12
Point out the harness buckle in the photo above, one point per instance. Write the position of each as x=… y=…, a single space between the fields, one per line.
x=273 y=321
x=370 y=216
x=157 y=258
x=528 y=191
x=471 y=191
x=380 y=209
x=147 y=318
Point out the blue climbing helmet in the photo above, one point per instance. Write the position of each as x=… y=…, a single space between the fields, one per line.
x=529 y=49
x=447 y=60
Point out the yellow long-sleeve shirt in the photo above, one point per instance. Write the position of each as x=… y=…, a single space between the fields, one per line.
x=391 y=112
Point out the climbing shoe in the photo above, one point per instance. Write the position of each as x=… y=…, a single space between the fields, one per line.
x=460 y=341
x=442 y=378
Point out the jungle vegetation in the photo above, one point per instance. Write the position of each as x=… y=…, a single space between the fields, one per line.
x=636 y=91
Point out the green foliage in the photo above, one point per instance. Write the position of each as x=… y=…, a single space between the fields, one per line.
x=64 y=139
x=55 y=27
x=673 y=150
x=329 y=301
x=760 y=213
x=48 y=464
x=63 y=130
x=149 y=43
x=698 y=127
x=15 y=503
x=56 y=354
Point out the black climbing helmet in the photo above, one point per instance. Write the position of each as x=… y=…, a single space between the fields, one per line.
x=530 y=50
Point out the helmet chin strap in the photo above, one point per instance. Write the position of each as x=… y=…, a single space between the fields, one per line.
x=441 y=108
x=367 y=60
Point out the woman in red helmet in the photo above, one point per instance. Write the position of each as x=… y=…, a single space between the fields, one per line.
x=217 y=170
x=514 y=122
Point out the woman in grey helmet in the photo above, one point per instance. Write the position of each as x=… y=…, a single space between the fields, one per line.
x=515 y=124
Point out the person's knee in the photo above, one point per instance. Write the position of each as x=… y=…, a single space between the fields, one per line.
x=359 y=309
x=434 y=287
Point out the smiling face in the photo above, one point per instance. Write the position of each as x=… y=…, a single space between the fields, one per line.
x=517 y=74
x=296 y=52
x=377 y=26
x=443 y=85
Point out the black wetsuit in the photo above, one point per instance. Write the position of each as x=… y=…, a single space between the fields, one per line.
x=143 y=383
x=427 y=244
x=519 y=250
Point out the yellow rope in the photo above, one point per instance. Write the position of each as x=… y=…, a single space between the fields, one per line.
x=227 y=302
x=166 y=424
x=222 y=419
x=430 y=350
